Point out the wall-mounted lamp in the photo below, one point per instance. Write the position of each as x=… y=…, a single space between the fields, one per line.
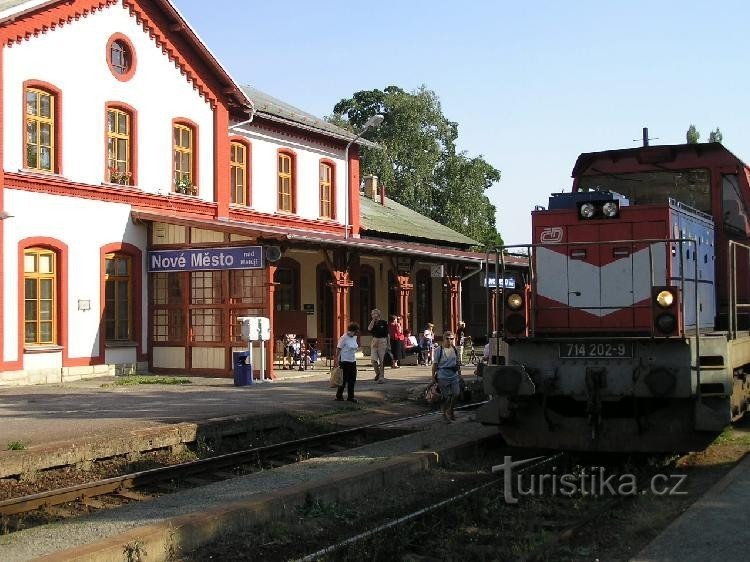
x=4 y=215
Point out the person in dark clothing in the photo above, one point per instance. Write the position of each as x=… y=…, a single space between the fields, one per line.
x=378 y=329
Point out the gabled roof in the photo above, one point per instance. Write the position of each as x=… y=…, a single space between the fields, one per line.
x=273 y=109
x=12 y=9
x=397 y=220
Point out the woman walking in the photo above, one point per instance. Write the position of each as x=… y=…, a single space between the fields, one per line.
x=346 y=359
x=446 y=371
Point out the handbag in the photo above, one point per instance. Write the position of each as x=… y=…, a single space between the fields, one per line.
x=337 y=377
x=432 y=393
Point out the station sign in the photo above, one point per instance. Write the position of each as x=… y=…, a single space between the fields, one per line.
x=206 y=259
x=492 y=282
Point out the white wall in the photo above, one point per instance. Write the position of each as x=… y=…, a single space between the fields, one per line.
x=84 y=226
x=265 y=172
x=73 y=59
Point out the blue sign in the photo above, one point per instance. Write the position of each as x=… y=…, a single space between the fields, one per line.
x=507 y=283
x=206 y=259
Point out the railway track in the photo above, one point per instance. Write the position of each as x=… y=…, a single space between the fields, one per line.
x=147 y=484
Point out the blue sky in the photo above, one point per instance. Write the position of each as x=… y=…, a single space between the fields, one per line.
x=531 y=84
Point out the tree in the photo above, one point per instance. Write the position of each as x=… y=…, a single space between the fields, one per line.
x=715 y=136
x=692 y=135
x=418 y=161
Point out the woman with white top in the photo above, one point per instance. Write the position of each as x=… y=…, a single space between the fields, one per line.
x=346 y=359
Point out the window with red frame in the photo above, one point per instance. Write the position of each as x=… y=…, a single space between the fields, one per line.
x=238 y=173
x=326 y=190
x=285 y=191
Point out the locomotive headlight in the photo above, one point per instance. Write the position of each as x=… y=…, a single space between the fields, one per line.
x=587 y=210
x=610 y=209
x=666 y=323
x=514 y=301
x=665 y=299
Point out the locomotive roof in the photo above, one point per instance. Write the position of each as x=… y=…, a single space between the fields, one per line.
x=660 y=156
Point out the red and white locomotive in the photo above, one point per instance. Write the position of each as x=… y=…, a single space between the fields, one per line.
x=629 y=332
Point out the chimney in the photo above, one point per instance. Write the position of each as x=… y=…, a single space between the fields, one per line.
x=371 y=187
x=382 y=195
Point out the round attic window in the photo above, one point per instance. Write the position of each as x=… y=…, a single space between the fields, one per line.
x=120 y=57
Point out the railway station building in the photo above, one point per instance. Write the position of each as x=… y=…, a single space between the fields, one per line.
x=147 y=201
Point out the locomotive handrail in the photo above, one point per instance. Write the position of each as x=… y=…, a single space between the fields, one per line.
x=500 y=253
x=733 y=306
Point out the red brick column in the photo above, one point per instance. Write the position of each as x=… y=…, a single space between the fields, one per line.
x=454 y=286
x=271 y=311
x=404 y=289
x=340 y=288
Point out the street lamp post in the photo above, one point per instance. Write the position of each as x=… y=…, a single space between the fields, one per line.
x=373 y=121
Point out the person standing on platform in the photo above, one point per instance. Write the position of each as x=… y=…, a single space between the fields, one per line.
x=446 y=371
x=428 y=339
x=460 y=335
x=396 y=333
x=346 y=358
x=378 y=329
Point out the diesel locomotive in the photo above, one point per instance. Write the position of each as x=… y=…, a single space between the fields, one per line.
x=629 y=332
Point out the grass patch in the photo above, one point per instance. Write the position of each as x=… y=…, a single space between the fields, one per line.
x=17 y=446
x=147 y=379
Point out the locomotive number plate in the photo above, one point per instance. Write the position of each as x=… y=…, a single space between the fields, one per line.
x=596 y=350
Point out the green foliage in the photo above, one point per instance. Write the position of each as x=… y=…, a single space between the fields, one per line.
x=418 y=162
x=16 y=446
x=692 y=135
x=715 y=136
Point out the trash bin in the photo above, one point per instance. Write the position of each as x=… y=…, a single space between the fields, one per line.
x=243 y=371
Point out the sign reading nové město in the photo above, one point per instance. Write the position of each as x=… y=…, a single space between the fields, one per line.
x=244 y=257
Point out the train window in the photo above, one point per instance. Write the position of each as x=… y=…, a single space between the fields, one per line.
x=735 y=214
x=691 y=187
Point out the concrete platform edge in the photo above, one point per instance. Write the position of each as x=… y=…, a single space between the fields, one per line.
x=186 y=533
x=646 y=554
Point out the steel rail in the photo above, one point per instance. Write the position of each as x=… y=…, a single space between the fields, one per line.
x=79 y=492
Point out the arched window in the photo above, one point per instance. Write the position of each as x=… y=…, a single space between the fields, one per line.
x=120 y=149
x=41 y=130
x=239 y=167
x=184 y=158
x=326 y=179
x=40 y=296
x=118 y=288
x=286 y=182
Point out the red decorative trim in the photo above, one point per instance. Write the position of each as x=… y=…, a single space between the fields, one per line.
x=57 y=94
x=136 y=276
x=292 y=133
x=108 y=57
x=133 y=138
x=249 y=167
x=196 y=152
x=332 y=164
x=3 y=366
x=61 y=251
x=353 y=196
x=186 y=207
x=221 y=164
x=293 y=156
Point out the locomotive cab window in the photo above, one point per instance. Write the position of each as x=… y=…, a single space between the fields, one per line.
x=691 y=187
x=733 y=209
